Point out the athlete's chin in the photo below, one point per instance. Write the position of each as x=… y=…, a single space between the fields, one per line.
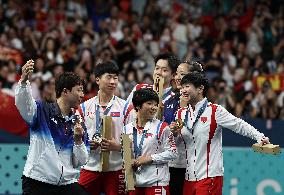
x=76 y=106
x=151 y=117
x=185 y=98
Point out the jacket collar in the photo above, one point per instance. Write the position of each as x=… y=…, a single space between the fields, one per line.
x=199 y=104
x=96 y=100
x=57 y=112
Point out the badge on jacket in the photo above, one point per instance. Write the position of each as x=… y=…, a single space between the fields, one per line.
x=115 y=114
x=203 y=119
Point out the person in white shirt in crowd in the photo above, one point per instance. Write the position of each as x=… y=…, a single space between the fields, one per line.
x=58 y=138
x=202 y=132
x=153 y=146
x=105 y=103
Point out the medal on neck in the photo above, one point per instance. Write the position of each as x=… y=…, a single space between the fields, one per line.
x=179 y=123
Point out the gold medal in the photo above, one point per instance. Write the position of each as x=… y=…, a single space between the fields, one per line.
x=179 y=123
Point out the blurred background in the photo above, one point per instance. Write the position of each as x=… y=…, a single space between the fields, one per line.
x=240 y=44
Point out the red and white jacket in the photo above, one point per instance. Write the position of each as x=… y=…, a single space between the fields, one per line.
x=129 y=109
x=204 y=147
x=159 y=144
x=88 y=110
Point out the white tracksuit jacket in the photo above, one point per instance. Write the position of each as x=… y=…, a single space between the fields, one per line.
x=204 y=147
x=52 y=157
x=159 y=144
x=88 y=109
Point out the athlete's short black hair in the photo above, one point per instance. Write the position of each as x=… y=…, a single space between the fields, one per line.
x=172 y=60
x=67 y=80
x=197 y=79
x=143 y=95
x=106 y=67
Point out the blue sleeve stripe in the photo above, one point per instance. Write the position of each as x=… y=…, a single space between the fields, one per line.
x=158 y=129
x=83 y=108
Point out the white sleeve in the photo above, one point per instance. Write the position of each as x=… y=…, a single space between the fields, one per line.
x=128 y=110
x=80 y=155
x=25 y=102
x=169 y=146
x=227 y=120
x=130 y=117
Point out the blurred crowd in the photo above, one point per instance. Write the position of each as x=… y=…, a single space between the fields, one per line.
x=235 y=41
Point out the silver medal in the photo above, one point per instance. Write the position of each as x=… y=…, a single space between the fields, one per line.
x=138 y=170
x=97 y=138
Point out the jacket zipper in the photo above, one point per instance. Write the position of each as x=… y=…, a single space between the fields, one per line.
x=60 y=175
x=65 y=132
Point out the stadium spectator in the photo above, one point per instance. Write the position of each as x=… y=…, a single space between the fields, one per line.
x=229 y=39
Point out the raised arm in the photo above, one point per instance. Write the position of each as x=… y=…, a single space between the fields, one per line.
x=23 y=94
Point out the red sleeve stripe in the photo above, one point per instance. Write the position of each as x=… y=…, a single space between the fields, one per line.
x=213 y=127
x=163 y=126
x=130 y=107
x=179 y=112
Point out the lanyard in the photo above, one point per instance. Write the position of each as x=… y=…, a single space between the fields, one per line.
x=98 y=118
x=200 y=112
x=138 y=149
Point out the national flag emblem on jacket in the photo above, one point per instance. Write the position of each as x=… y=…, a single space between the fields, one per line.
x=115 y=114
x=203 y=119
x=148 y=135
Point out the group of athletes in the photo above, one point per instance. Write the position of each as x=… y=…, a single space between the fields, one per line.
x=179 y=154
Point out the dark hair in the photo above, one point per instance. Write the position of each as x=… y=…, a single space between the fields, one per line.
x=106 y=67
x=67 y=80
x=143 y=95
x=172 y=60
x=197 y=79
x=194 y=66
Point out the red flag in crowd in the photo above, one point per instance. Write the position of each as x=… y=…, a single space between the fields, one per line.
x=10 y=118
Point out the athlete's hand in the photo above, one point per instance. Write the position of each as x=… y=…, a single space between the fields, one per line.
x=78 y=134
x=142 y=160
x=110 y=145
x=175 y=128
x=265 y=140
x=27 y=70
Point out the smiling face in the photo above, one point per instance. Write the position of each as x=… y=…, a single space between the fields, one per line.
x=148 y=109
x=192 y=94
x=182 y=70
x=75 y=96
x=107 y=83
